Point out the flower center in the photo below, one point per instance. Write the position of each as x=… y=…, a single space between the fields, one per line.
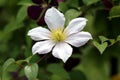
x=44 y=5
x=58 y=35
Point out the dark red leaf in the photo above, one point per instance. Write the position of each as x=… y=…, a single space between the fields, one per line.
x=38 y=1
x=34 y=12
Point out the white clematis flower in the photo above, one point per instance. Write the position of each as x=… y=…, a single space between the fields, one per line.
x=58 y=38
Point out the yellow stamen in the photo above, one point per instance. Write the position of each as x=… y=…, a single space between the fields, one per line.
x=58 y=35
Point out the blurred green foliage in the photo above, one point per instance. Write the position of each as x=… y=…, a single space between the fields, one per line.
x=97 y=60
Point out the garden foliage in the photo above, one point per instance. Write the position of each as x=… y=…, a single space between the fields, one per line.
x=99 y=59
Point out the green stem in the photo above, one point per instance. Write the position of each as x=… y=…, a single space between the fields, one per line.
x=45 y=56
x=43 y=11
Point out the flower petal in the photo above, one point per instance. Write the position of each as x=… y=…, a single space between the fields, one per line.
x=43 y=47
x=39 y=33
x=54 y=19
x=62 y=51
x=78 y=39
x=75 y=25
x=34 y=12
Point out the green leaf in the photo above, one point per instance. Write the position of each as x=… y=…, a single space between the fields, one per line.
x=118 y=38
x=62 y=7
x=15 y=51
x=55 y=77
x=58 y=70
x=28 y=59
x=100 y=47
x=5 y=66
x=71 y=14
x=89 y=2
x=26 y=2
x=75 y=3
x=20 y=61
x=114 y=12
x=12 y=26
x=8 y=63
x=77 y=75
x=94 y=66
x=112 y=41
x=2 y=2
x=43 y=74
x=31 y=71
x=22 y=14
x=103 y=39
x=0 y=71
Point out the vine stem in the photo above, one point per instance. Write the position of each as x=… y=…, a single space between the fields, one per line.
x=19 y=64
x=45 y=56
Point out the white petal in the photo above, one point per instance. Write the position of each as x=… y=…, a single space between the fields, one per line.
x=62 y=51
x=78 y=39
x=54 y=19
x=39 y=33
x=75 y=25
x=43 y=47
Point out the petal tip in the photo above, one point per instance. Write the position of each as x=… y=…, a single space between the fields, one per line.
x=34 y=52
x=52 y=8
x=28 y=34
x=65 y=60
x=90 y=35
x=82 y=18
